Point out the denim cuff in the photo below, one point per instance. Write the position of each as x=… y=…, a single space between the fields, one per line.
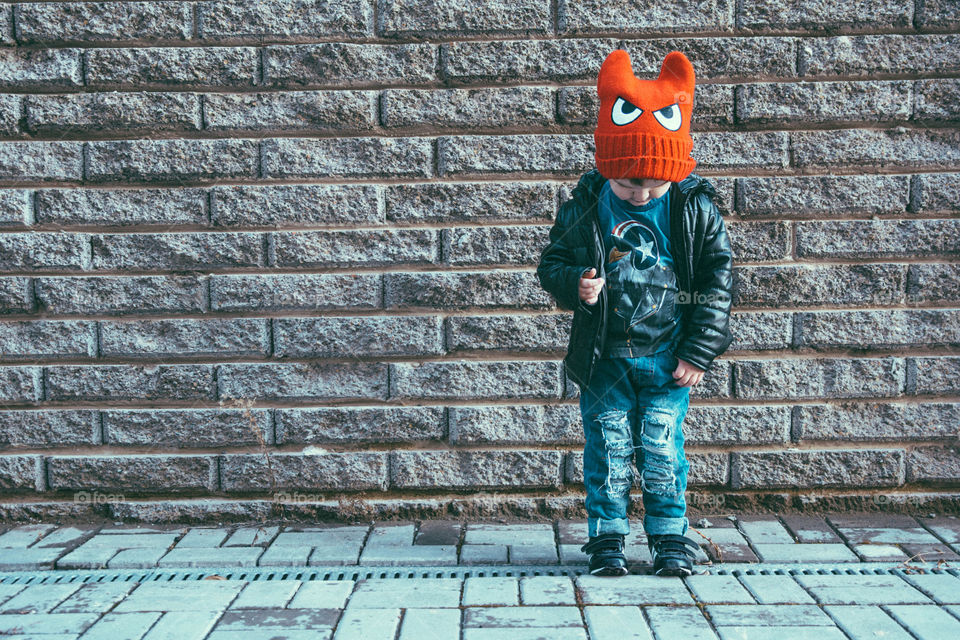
x=599 y=526
x=657 y=526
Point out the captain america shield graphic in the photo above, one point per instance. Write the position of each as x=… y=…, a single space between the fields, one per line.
x=637 y=239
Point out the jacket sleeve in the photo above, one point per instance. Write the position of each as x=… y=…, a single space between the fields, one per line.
x=558 y=272
x=707 y=333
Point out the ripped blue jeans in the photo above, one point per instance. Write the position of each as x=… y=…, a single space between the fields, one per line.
x=635 y=405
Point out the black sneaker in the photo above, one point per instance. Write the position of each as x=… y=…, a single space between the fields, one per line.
x=673 y=555
x=606 y=555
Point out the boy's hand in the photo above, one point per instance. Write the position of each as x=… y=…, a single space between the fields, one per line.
x=686 y=374
x=590 y=286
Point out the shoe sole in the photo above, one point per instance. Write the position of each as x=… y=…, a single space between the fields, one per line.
x=677 y=571
x=609 y=571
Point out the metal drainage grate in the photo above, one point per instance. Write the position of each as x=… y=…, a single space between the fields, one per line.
x=334 y=574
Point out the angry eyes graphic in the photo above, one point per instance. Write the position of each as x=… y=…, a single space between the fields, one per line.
x=624 y=113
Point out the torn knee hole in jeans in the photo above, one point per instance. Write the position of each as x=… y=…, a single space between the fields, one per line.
x=618 y=441
x=659 y=474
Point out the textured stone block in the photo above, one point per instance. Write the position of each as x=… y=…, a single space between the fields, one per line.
x=319 y=111
x=352 y=471
x=295 y=292
x=59 y=22
x=233 y=19
x=759 y=241
x=122 y=207
x=825 y=468
x=187 y=428
x=130 y=382
x=357 y=336
x=550 y=60
x=851 y=421
x=351 y=248
x=465 y=290
x=166 y=338
x=468 y=108
x=936 y=192
x=177 y=251
x=172 y=159
x=755 y=150
x=736 y=424
x=807 y=285
x=820 y=378
x=877 y=238
x=872 y=54
x=605 y=16
x=937 y=99
x=532 y=153
x=50 y=428
x=143 y=113
x=467 y=379
x=44 y=68
x=933 y=463
x=937 y=375
x=40 y=161
x=21 y=473
x=494 y=246
x=357 y=380
x=471 y=202
x=811 y=196
x=777 y=15
x=31 y=339
x=342 y=64
x=347 y=157
x=877 y=329
x=165 y=67
x=897 y=147
x=476 y=469
x=544 y=332
x=359 y=424
x=817 y=102
x=293 y=205
x=517 y=424
x=136 y=473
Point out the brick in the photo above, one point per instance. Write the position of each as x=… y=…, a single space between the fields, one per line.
x=876 y=54
x=171 y=159
x=136 y=473
x=817 y=378
x=33 y=559
x=468 y=108
x=897 y=147
x=334 y=471
x=876 y=238
x=177 y=251
x=438 y=532
x=770 y=15
x=806 y=285
x=359 y=424
x=24 y=536
x=361 y=624
x=852 y=421
x=760 y=241
x=44 y=251
x=295 y=291
x=483 y=554
x=133 y=113
x=340 y=64
x=21 y=473
x=360 y=380
x=121 y=207
x=315 y=111
x=824 y=468
x=233 y=19
x=187 y=428
x=943 y=588
x=761 y=529
x=44 y=68
x=552 y=60
x=184 y=337
x=499 y=201
x=515 y=424
x=526 y=153
x=358 y=336
x=122 y=381
x=937 y=374
x=758 y=150
x=536 y=333
x=470 y=379
x=16 y=208
x=41 y=161
x=347 y=157
x=936 y=99
x=465 y=290
x=294 y=205
x=521 y=617
x=284 y=557
x=734 y=424
x=406 y=18
x=718 y=58
x=21 y=384
x=822 y=102
x=42 y=429
x=893 y=328
x=133 y=294
x=139 y=558
x=38 y=598
x=933 y=463
x=357 y=248
x=811 y=196
x=718 y=589
x=163 y=67
x=493 y=246
x=59 y=22
x=604 y=16
x=809 y=528
x=475 y=469
x=936 y=192
x=183 y=625
x=937 y=14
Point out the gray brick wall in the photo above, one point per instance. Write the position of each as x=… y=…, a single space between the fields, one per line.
x=290 y=246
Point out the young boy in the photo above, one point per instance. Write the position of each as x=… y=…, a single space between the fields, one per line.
x=641 y=255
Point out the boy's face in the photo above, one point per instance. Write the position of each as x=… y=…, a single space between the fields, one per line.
x=638 y=191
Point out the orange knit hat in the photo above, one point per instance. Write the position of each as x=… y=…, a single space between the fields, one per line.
x=643 y=128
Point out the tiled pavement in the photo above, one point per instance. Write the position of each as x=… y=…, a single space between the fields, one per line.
x=920 y=601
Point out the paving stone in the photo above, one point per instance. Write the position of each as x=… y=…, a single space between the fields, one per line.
x=266 y=594
x=860 y=589
x=25 y=535
x=768 y=615
x=294 y=634
x=512 y=534
x=251 y=537
x=328 y=556
x=416 y=593
x=826 y=552
x=718 y=521
x=637 y=554
x=616 y=623
x=64 y=536
x=44 y=624
x=35 y=558
x=129 y=541
x=212 y=557
x=337 y=537
x=774 y=589
x=202 y=595
x=422 y=624
x=393 y=535
x=39 y=598
x=284 y=557
x=866 y=622
x=184 y=625
x=130 y=626
x=925 y=622
x=389 y=555
x=544 y=590
x=688 y=623
x=946 y=528
x=202 y=537
x=718 y=589
x=570 y=554
x=84 y=557
x=95 y=598
x=136 y=558
x=7 y=591
x=322 y=595
x=880 y=535
x=930 y=552
x=445 y=532
x=281 y=619
x=519 y=617
x=483 y=554
x=379 y=624
x=780 y=633
x=572 y=532
x=768 y=531
x=810 y=528
x=136 y=529
x=943 y=588
x=879 y=552
x=533 y=554
x=490 y=591
x=631 y=589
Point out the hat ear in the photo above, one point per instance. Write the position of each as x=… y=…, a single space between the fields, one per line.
x=615 y=73
x=678 y=71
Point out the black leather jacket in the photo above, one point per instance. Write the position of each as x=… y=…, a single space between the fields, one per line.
x=702 y=261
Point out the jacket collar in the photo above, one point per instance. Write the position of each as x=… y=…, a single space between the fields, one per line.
x=592 y=181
